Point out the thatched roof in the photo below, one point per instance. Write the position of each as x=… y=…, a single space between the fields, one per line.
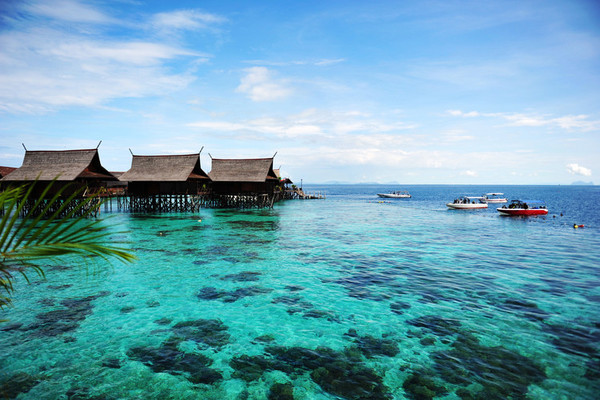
x=5 y=171
x=167 y=168
x=278 y=175
x=242 y=170
x=64 y=165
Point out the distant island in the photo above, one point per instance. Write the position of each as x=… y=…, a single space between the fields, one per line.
x=581 y=183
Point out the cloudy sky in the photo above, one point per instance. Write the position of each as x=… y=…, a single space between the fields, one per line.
x=481 y=92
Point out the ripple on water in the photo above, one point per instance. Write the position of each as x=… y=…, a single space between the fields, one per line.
x=336 y=299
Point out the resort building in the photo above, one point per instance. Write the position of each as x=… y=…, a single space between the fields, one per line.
x=244 y=182
x=155 y=183
x=165 y=174
x=165 y=183
x=79 y=169
x=243 y=176
x=5 y=171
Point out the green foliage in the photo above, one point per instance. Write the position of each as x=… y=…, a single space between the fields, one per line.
x=53 y=227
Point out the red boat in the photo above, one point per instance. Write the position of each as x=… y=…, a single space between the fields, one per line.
x=524 y=207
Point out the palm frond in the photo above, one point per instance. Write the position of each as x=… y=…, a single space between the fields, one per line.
x=27 y=238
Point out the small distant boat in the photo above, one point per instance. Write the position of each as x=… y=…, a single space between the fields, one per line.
x=495 y=198
x=468 y=203
x=524 y=207
x=398 y=194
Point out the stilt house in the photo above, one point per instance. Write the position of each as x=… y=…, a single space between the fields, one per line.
x=165 y=175
x=284 y=181
x=5 y=171
x=78 y=168
x=243 y=176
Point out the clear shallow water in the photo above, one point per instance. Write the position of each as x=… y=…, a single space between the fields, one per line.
x=350 y=296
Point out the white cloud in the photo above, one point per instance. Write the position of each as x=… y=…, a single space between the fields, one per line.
x=222 y=126
x=68 y=10
x=186 y=20
x=568 y=122
x=318 y=63
x=81 y=72
x=267 y=127
x=523 y=120
x=260 y=85
x=456 y=136
x=576 y=122
x=326 y=126
x=469 y=173
x=134 y=53
x=576 y=169
x=45 y=66
x=326 y=62
x=458 y=113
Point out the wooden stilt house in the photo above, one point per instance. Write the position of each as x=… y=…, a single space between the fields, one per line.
x=244 y=182
x=283 y=181
x=70 y=171
x=242 y=176
x=77 y=168
x=165 y=183
x=284 y=184
x=5 y=171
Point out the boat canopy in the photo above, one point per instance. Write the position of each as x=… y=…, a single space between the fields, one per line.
x=494 y=194
x=530 y=201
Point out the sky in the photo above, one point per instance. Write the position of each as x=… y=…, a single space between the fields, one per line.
x=406 y=92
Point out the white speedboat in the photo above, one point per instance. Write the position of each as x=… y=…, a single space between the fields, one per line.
x=398 y=194
x=468 y=203
x=495 y=198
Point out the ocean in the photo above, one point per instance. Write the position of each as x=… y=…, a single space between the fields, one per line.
x=348 y=297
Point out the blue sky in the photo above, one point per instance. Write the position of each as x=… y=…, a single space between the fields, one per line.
x=449 y=92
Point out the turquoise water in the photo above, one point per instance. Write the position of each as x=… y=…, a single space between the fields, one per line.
x=348 y=297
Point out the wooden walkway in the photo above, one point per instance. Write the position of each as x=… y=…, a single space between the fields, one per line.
x=189 y=203
x=300 y=194
x=193 y=203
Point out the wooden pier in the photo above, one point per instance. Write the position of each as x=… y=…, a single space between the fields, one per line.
x=76 y=207
x=188 y=203
x=299 y=193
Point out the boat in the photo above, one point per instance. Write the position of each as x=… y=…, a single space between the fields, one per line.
x=495 y=198
x=524 y=207
x=398 y=194
x=468 y=203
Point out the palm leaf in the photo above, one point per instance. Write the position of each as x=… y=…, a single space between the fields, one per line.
x=27 y=238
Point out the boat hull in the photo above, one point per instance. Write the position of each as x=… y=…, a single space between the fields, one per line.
x=522 y=211
x=458 y=206
x=394 y=196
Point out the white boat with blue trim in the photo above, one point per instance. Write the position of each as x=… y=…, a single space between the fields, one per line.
x=495 y=198
x=468 y=203
x=398 y=194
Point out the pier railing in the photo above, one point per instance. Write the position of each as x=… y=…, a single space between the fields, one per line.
x=194 y=202
x=299 y=193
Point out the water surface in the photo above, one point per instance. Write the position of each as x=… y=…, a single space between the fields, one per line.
x=349 y=297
